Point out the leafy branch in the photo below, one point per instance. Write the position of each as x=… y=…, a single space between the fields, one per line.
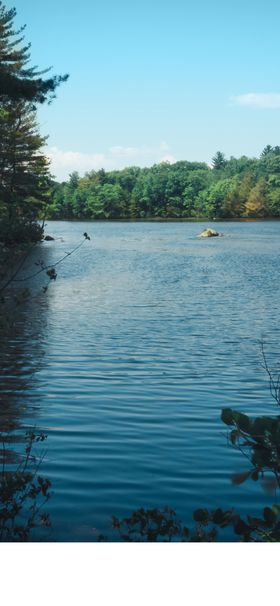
x=163 y=525
x=23 y=492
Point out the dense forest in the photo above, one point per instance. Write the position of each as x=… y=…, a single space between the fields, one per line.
x=234 y=188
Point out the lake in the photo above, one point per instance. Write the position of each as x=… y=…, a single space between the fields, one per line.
x=128 y=358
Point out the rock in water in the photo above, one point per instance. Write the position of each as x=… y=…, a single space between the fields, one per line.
x=48 y=238
x=209 y=233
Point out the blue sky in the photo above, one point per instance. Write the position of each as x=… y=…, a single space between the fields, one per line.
x=156 y=80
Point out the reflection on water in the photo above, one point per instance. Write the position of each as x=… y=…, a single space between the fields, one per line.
x=127 y=361
x=21 y=355
x=24 y=492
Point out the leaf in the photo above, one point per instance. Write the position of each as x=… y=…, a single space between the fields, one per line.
x=227 y=416
x=255 y=475
x=254 y=522
x=240 y=527
x=269 y=515
x=262 y=425
x=239 y=478
x=242 y=421
x=257 y=457
x=201 y=515
x=218 y=516
x=52 y=274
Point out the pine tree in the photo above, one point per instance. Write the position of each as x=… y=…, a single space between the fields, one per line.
x=17 y=79
x=24 y=170
x=218 y=161
x=267 y=150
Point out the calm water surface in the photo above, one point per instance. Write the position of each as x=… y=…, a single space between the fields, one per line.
x=128 y=359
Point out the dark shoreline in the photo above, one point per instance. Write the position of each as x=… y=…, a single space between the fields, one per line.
x=170 y=220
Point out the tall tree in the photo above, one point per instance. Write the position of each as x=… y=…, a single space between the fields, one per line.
x=17 y=79
x=267 y=150
x=24 y=170
x=218 y=161
x=24 y=175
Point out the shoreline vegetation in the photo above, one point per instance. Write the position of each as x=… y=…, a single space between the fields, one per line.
x=171 y=220
x=230 y=189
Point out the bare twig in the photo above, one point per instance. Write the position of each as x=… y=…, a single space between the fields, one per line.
x=274 y=384
x=46 y=267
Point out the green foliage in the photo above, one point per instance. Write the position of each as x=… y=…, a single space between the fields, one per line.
x=163 y=525
x=24 y=170
x=218 y=161
x=234 y=188
x=20 y=231
x=267 y=150
x=18 y=81
x=259 y=439
x=24 y=176
x=23 y=492
x=216 y=201
x=150 y=525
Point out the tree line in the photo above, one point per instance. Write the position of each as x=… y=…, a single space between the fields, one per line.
x=229 y=188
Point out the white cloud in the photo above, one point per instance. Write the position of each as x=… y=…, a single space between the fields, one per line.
x=70 y=160
x=117 y=157
x=258 y=100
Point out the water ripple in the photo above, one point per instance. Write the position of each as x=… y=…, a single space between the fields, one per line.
x=146 y=335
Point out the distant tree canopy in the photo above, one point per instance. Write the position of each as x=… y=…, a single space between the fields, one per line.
x=235 y=188
x=218 y=161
